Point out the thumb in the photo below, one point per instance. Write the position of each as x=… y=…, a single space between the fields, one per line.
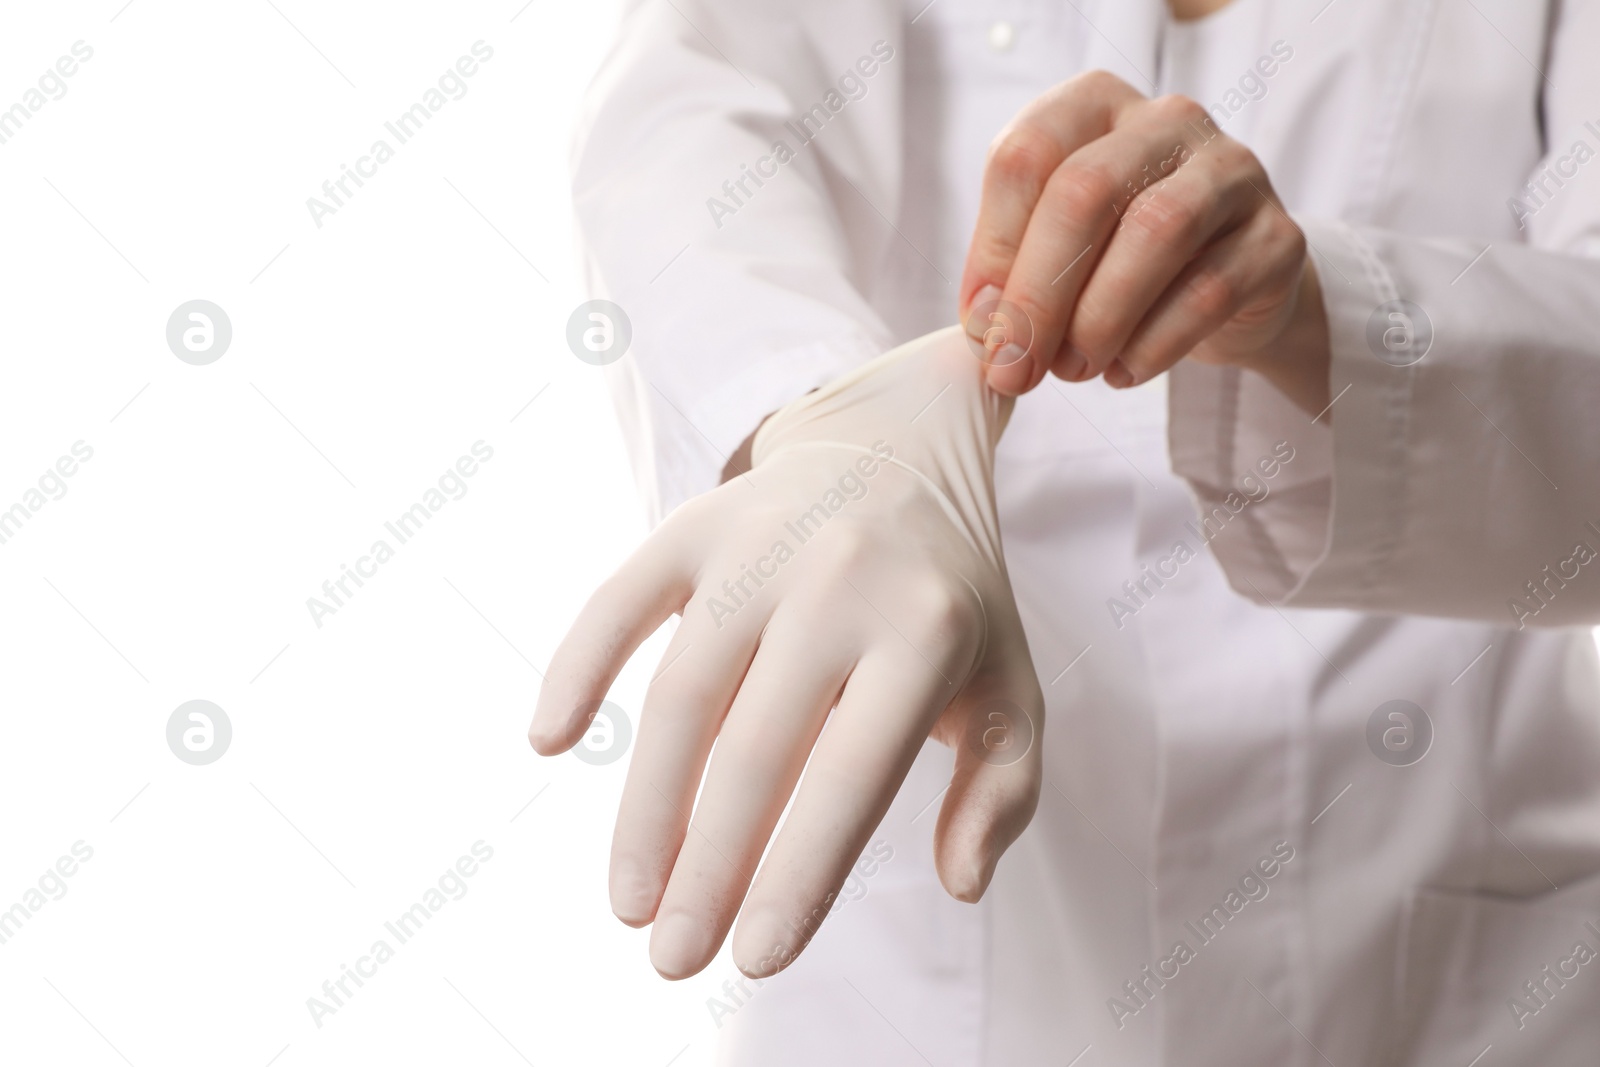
x=997 y=731
x=1003 y=337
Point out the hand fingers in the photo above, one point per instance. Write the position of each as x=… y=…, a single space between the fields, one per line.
x=683 y=708
x=1020 y=162
x=995 y=787
x=1259 y=264
x=650 y=586
x=1069 y=232
x=1208 y=193
x=763 y=745
x=883 y=718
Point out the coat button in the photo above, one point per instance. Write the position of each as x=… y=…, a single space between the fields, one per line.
x=1001 y=36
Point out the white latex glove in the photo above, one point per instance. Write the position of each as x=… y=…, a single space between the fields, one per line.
x=858 y=564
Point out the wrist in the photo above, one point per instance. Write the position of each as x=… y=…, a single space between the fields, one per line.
x=923 y=406
x=1297 y=361
x=922 y=397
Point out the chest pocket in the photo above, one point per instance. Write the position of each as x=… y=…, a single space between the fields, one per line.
x=1520 y=975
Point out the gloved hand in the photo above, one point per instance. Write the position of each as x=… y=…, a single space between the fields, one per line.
x=857 y=564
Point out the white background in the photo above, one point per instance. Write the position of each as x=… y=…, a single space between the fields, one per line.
x=373 y=752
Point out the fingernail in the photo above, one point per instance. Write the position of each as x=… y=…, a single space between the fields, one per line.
x=976 y=324
x=677 y=945
x=1118 y=376
x=1007 y=355
x=1075 y=365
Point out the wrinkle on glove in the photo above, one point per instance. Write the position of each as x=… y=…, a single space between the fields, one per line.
x=935 y=383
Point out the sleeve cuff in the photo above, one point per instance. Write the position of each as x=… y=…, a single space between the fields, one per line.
x=1316 y=531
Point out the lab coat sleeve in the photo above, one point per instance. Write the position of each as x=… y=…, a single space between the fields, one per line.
x=737 y=247
x=1466 y=485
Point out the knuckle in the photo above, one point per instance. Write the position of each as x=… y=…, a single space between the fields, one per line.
x=946 y=620
x=672 y=709
x=1081 y=191
x=1163 y=217
x=1021 y=155
x=688 y=517
x=1098 y=80
x=1293 y=240
x=993 y=251
x=1207 y=133
x=678 y=695
x=1094 y=334
x=696 y=508
x=845 y=548
x=1175 y=107
x=1233 y=155
x=678 y=703
x=1212 y=295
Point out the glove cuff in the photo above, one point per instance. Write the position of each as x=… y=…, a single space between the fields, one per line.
x=923 y=406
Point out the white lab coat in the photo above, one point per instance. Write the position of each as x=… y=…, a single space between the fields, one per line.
x=1222 y=711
